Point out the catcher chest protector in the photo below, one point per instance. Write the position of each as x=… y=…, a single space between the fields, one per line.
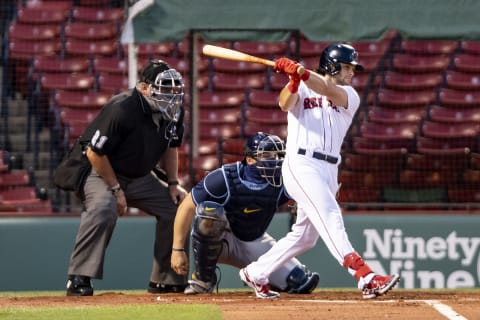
x=208 y=228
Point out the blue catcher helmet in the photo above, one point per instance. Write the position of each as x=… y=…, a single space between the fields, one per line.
x=268 y=151
x=334 y=54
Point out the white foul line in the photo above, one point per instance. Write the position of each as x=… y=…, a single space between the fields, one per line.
x=445 y=310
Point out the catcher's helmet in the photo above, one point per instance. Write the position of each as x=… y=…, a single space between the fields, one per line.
x=269 y=151
x=334 y=54
x=167 y=88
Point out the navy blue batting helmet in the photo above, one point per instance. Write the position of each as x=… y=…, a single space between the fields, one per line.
x=334 y=54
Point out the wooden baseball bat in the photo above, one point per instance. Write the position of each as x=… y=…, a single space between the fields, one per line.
x=229 y=54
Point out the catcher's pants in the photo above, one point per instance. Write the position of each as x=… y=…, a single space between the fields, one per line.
x=99 y=217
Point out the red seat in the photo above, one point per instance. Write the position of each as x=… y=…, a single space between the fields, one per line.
x=365 y=180
x=467 y=62
x=372 y=162
x=267 y=116
x=252 y=128
x=277 y=81
x=219 y=131
x=475 y=160
x=23 y=193
x=26 y=50
x=458 y=98
x=429 y=47
x=236 y=67
x=42 y=15
x=471 y=178
x=462 y=80
x=14 y=179
x=454 y=115
x=389 y=115
x=67 y=81
x=212 y=117
x=182 y=65
x=439 y=146
x=90 y=31
x=263 y=99
x=403 y=81
x=411 y=63
x=114 y=64
x=236 y=82
x=457 y=194
x=234 y=146
x=269 y=50
x=34 y=32
x=470 y=46
x=405 y=99
x=450 y=130
x=56 y=64
x=76 y=47
x=81 y=100
x=70 y=115
x=112 y=83
x=428 y=178
x=369 y=63
x=155 y=50
x=354 y=195
x=361 y=80
x=221 y=100
x=311 y=48
x=402 y=130
x=370 y=48
x=382 y=147
x=202 y=165
x=419 y=161
x=80 y=13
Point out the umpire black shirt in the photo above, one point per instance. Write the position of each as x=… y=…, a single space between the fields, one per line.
x=124 y=131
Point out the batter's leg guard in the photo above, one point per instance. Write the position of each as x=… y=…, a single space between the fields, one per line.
x=208 y=229
x=302 y=281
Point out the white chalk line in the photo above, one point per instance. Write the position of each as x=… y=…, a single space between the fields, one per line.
x=442 y=308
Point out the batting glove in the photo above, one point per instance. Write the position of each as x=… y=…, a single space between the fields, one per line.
x=287 y=66
x=294 y=82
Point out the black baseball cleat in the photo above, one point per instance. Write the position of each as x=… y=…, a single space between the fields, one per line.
x=79 y=286
x=154 y=287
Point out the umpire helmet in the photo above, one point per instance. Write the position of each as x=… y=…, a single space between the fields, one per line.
x=268 y=151
x=167 y=88
x=334 y=54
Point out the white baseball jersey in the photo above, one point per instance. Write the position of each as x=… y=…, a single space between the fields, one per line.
x=314 y=123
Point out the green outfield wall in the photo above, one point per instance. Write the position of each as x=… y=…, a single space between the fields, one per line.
x=429 y=251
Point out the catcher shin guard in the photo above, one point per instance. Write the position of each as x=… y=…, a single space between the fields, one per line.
x=302 y=281
x=208 y=228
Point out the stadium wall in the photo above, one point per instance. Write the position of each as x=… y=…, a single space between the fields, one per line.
x=429 y=251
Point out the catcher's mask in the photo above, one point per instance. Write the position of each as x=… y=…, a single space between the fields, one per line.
x=334 y=54
x=268 y=151
x=166 y=87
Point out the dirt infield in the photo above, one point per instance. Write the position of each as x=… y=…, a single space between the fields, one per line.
x=322 y=304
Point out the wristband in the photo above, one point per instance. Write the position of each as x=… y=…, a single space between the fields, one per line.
x=305 y=75
x=115 y=188
x=173 y=183
x=178 y=249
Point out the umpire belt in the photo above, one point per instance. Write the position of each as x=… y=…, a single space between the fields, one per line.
x=319 y=156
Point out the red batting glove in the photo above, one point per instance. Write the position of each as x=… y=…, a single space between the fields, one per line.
x=286 y=65
x=293 y=84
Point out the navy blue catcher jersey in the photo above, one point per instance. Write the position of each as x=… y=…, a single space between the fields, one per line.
x=125 y=131
x=249 y=206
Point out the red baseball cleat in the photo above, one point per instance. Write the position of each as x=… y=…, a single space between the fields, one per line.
x=261 y=290
x=379 y=285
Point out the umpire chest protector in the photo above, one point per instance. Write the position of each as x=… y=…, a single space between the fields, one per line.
x=249 y=211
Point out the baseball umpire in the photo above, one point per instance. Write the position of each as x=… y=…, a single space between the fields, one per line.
x=134 y=131
x=231 y=209
x=321 y=106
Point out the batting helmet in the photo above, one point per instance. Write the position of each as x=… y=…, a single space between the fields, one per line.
x=167 y=88
x=336 y=53
x=268 y=151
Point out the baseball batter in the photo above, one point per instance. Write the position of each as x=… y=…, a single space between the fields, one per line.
x=320 y=106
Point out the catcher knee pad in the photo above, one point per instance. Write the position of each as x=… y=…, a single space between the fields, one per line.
x=208 y=229
x=302 y=281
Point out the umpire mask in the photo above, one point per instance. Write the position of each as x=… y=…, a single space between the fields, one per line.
x=167 y=94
